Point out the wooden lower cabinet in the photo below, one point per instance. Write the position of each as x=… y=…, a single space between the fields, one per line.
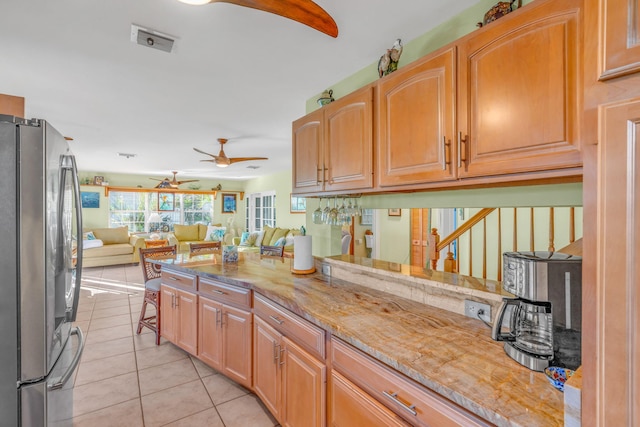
x=289 y=380
x=349 y=405
x=414 y=403
x=179 y=318
x=224 y=340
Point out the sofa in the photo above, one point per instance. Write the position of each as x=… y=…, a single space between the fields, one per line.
x=110 y=246
x=270 y=236
x=183 y=235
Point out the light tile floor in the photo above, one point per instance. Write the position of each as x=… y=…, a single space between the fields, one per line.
x=124 y=379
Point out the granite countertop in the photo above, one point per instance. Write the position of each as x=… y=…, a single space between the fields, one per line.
x=446 y=352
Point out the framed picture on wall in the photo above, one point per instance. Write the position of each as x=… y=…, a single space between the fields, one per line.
x=228 y=203
x=90 y=199
x=166 y=201
x=298 y=204
x=395 y=212
x=367 y=217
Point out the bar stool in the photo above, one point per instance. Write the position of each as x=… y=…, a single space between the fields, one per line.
x=204 y=248
x=151 y=275
x=272 y=250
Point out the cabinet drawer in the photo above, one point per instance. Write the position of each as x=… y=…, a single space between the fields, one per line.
x=179 y=280
x=226 y=294
x=291 y=325
x=406 y=398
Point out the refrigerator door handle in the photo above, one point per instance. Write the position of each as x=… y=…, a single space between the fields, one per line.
x=60 y=382
x=71 y=165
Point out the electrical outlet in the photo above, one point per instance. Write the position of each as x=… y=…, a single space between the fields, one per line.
x=471 y=309
x=326 y=270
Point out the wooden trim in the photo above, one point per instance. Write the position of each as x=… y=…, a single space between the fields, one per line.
x=463 y=228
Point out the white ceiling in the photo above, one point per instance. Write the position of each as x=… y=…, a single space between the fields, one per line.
x=235 y=73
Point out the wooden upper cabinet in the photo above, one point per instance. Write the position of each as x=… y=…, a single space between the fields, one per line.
x=307 y=153
x=333 y=146
x=519 y=99
x=348 y=148
x=619 y=38
x=416 y=122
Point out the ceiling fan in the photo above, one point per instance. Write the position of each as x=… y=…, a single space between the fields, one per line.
x=174 y=183
x=221 y=160
x=304 y=11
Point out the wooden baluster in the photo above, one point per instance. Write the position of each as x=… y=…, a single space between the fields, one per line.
x=470 y=252
x=484 y=248
x=458 y=255
x=449 y=262
x=532 y=233
x=515 y=229
x=572 y=225
x=434 y=255
x=552 y=247
x=499 y=244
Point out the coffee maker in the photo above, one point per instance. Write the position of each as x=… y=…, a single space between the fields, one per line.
x=542 y=326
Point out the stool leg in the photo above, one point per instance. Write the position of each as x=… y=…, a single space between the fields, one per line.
x=158 y=318
x=142 y=312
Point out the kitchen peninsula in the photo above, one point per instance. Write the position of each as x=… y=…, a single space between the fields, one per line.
x=450 y=359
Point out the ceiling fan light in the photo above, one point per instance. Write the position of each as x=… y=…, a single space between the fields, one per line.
x=195 y=2
x=222 y=165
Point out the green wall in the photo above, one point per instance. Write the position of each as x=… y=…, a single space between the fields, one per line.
x=447 y=32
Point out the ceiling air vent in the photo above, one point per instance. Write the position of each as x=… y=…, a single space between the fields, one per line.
x=150 y=38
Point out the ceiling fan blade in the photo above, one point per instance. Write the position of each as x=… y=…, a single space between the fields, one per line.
x=207 y=160
x=304 y=11
x=188 y=180
x=244 y=159
x=156 y=179
x=204 y=152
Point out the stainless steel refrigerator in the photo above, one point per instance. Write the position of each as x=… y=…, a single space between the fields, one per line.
x=39 y=274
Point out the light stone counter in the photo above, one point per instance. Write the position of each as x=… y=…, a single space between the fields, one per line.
x=446 y=352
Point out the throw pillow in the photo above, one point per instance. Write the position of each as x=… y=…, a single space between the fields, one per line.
x=260 y=238
x=251 y=240
x=268 y=235
x=215 y=234
x=88 y=236
x=243 y=238
x=277 y=234
x=280 y=242
x=289 y=238
x=186 y=233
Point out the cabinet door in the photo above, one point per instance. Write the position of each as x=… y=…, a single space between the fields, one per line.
x=307 y=140
x=416 y=118
x=620 y=40
x=349 y=405
x=267 y=383
x=236 y=332
x=519 y=83
x=304 y=388
x=187 y=320
x=617 y=295
x=348 y=141
x=210 y=333
x=167 y=317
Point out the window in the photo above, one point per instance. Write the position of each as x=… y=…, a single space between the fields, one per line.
x=128 y=209
x=134 y=210
x=261 y=210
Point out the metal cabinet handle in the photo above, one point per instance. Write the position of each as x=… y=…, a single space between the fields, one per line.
x=280 y=358
x=177 y=298
x=276 y=319
x=460 y=141
x=394 y=396
x=172 y=278
x=276 y=353
x=215 y=291
x=445 y=144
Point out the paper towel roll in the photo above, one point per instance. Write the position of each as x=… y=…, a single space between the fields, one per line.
x=302 y=258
